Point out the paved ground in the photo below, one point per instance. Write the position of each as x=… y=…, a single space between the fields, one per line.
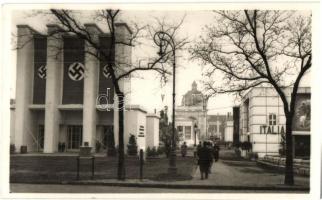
x=51 y=188
x=244 y=173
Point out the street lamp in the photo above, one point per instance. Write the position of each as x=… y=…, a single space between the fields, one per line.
x=163 y=40
x=195 y=129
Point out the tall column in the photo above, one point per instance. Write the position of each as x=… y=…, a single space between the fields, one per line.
x=53 y=92
x=90 y=88
x=23 y=120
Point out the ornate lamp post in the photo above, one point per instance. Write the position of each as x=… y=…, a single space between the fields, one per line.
x=195 y=128
x=163 y=40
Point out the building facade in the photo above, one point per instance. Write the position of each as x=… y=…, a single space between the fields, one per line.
x=64 y=95
x=262 y=121
x=191 y=117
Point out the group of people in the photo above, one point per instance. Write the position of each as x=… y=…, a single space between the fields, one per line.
x=206 y=155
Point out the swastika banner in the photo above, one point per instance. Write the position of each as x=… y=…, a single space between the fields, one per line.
x=105 y=80
x=40 y=69
x=73 y=70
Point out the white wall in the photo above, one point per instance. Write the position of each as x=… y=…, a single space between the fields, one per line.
x=134 y=118
x=152 y=130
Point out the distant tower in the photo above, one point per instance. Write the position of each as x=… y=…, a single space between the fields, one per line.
x=194 y=86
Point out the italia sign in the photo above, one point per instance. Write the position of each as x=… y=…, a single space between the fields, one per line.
x=272 y=129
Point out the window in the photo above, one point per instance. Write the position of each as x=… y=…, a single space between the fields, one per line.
x=141 y=131
x=75 y=134
x=187 y=132
x=272 y=119
x=180 y=132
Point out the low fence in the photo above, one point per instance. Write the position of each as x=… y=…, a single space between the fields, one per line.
x=300 y=166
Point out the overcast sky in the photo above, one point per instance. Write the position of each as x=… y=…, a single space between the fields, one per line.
x=146 y=91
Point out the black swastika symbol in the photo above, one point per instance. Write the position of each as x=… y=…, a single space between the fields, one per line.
x=105 y=72
x=76 y=71
x=42 y=72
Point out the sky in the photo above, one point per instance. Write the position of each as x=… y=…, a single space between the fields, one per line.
x=146 y=90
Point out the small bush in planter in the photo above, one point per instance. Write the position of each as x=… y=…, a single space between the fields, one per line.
x=12 y=148
x=132 y=147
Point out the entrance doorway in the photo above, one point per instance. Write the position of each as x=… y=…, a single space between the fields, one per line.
x=40 y=138
x=108 y=137
x=75 y=137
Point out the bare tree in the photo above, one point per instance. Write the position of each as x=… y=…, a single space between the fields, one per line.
x=249 y=48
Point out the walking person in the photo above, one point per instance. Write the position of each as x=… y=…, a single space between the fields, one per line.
x=204 y=160
x=216 y=152
x=184 y=149
x=211 y=149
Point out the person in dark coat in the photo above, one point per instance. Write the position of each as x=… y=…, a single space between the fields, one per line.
x=205 y=157
x=216 y=152
x=196 y=149
x=211 y=149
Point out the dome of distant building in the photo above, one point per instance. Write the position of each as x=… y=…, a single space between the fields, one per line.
x=193 y=97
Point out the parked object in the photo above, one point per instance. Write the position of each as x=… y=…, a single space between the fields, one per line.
x=85 y=151
x=23 y=149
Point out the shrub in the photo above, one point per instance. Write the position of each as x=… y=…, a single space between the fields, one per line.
x=132 y=147
x=252 y=156
x=238 y=152
x=98 y=146
x=246 y=145
x=148 y=152
x=281 y=151
x=154 y=151
x=160 y=150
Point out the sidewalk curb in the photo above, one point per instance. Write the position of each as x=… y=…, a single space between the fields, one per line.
x=184 y=186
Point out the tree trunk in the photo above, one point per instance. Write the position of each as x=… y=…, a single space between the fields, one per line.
x=289 y=174
x=121 y=162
